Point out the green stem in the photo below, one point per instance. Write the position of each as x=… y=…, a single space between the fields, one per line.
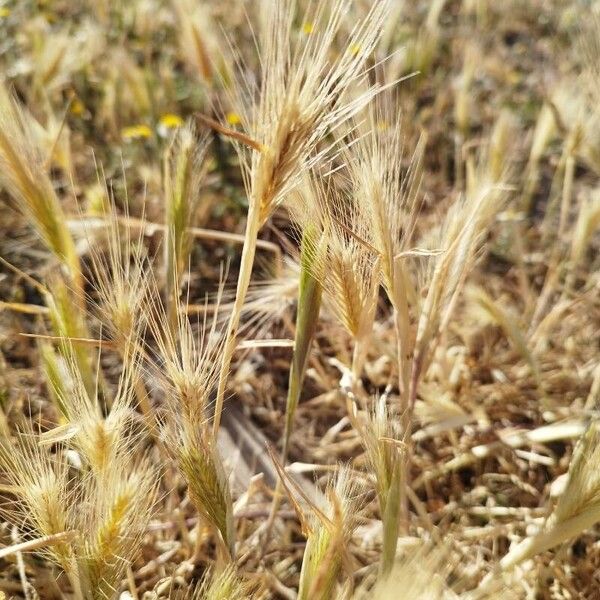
x=310 y=291
x=309 y=304
x=391 y=519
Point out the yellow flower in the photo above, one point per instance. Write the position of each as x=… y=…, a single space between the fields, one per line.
x=170 y=121
x=233 y=118
x=308 y=28
x=4 y=11
x=136 y=131
x=77 y=107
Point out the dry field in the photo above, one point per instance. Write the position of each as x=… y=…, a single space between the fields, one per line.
x=299 y=299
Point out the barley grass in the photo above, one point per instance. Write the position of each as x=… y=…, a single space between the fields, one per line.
x=348 y=265
x=301 y=99
x=24 y=176
x=329 y=532
x=418 y=341
x=382 y=439
x=184 y=171
x=310 y=291
x=190 y=366
x=39 y=483
x=388 y=198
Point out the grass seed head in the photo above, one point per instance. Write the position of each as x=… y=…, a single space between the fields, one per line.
x=120 y=279
x=303 y=93
x=39 y=481
x=184 y=170
x=99 y=440
x=329 y=536
x=348 y=263
x=23 y=174
x=190 y=363
x=208 y=486
x=119 y=508
x=386 y=191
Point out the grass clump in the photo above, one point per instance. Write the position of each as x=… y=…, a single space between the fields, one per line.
x=303 y=94
x=366 y=276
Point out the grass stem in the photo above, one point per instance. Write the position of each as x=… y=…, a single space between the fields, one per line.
x=247 y=262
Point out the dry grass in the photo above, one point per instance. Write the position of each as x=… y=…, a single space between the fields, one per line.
x=299 y=299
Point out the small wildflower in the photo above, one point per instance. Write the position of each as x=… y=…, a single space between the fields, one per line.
x=4 y=12
x=77 y=107
x=136 y=131
x=168 y=123
x=308 y=28
x=233 y=118
x=171 y=121
x=354 y=49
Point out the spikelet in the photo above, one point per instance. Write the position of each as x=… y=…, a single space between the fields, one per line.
x=329 y=534
x=57 y=53
x=208 y=485
x=268 y=300
x=190 y=366
x=588 y=221
x=23 y=175
x=133 y=93
x=349 y=266
x=40 y=482
x=465 y=225
x=582 y=491
x=463 y=108
x=429 y=572
x=422 y=52
x=387 y=197
x=381 y=437
x=195 y=42
x=303 y=94
x=353 y=276
x=53 y=137
x=118 y=509
x=302 y=98
x=99 y=440
x=223 y=585
x=184 y=170
x=544 y=132
x=420 y=576
x=501 y=138
x=188 y=360
x=386 y=192
x=120 y=279
x=494 y=312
